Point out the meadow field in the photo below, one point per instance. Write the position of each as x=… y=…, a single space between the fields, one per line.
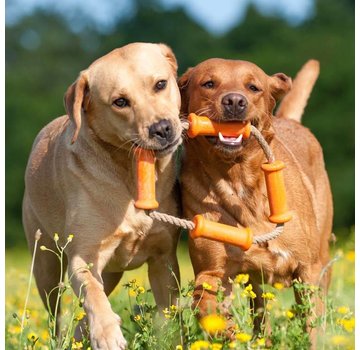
x=177 y=327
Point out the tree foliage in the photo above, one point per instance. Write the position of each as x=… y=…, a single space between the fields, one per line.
x=43 y=57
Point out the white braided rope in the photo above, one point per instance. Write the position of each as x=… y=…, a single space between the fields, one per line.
x=186 y=224
x=264 y=145
x=277 y=231
x=185 y=124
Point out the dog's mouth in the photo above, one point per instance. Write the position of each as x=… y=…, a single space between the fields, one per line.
x=161 y=152
x=227 y=144
x=171 y=148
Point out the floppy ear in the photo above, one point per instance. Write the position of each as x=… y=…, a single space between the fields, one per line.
x=74 y=101
x=280 y=84
x=183 y=83
x=169 y=54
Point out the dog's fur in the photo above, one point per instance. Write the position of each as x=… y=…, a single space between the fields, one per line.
x=226 y=184
x=81 y=180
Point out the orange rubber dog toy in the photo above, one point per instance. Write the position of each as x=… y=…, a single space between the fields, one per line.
x=145 y=166
x=241 y=237
x=276 y=192
x=204 y=126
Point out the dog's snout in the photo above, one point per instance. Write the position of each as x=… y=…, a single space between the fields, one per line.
x=162 y=131
x=234 y=104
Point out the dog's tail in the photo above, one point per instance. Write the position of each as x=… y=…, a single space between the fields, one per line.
x=294 y=103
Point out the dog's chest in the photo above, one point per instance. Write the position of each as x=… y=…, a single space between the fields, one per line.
x=243 y=198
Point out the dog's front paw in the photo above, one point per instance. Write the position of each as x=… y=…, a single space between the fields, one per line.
x=105 y=333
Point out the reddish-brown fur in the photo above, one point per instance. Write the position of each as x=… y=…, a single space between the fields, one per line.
x=228 y=185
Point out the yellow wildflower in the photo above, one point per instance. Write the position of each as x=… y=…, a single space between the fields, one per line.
x=289 y=314
x=213 y=323
x=137 y=318
x=32 y=337
x=260 y=342
x=216 y=346
x=173 y=308
x=348 y=325
x=313 y=288
x=14 y=329
x=278 y=285
x=76 y=345
x=268 y=296
x=200 y=345
x=339 y=340
x=45 y=335
x=207 y=286
x=232 y=345
x=350 y=256
x=70 y=238
x=242 y=278
x=243 y=337
x=189 y=294
x=80 y=315
x=131 y=292
x=166 y=313
x=248 y=292
x=179 y=347
x=141 y=290
x=252 y=295
x=43 y=247
x=343 y=310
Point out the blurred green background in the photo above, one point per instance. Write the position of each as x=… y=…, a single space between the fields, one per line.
x=45 y=52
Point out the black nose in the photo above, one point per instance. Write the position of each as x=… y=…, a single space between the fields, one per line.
x=234 y=104
x=162 y=131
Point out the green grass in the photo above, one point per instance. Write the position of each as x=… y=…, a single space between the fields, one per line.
x=144 y=329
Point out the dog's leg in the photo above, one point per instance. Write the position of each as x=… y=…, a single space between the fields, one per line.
x=206 y=290
x=110 y=279
x=47 y=267
x=104 y=324
x=164 y=277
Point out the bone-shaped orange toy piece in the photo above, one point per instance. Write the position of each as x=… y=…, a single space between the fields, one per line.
x=200 y=125
x=241 y=237
x=276 y=192
x=145 y=168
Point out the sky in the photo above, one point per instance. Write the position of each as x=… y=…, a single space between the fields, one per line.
x=216 y=16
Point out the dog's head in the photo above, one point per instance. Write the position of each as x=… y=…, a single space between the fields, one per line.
x=130 y=98
x=232 y=91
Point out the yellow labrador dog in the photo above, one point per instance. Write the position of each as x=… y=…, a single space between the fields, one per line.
x=81 y=179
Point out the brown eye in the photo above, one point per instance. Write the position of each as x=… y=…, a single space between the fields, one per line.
x=121 y=102
x=253 y=88
x=208 y=85
x=160 y=85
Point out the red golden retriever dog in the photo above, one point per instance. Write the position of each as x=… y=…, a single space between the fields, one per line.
x=222 y=179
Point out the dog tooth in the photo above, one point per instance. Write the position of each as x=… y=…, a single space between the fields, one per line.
x=239 y=139
x=232 y=141
x=221 y=137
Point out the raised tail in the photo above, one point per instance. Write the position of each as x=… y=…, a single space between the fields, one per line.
x=293 y=104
